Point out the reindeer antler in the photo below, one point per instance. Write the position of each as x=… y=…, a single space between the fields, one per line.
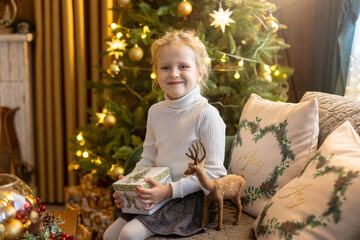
x=196 y=150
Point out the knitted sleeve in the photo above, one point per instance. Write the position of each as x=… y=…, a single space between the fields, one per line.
x=212 y=133
x=149 y=150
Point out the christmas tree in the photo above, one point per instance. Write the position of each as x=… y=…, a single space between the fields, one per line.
x=242 y=42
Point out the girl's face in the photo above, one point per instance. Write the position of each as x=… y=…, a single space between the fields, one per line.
x=177 y=71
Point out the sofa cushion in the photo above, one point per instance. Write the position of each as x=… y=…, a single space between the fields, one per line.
x=322 y=201
x=274 y=141
x=333 y=111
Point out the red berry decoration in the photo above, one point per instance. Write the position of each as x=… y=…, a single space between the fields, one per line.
x=38 y=201
x=24 y=211
x=43 y=208
x=52 y=236
x=63 y=238
x=39 y=210
x=62 y=234
x=71 y=237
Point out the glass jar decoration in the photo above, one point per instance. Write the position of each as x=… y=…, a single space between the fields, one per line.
x=17 y=206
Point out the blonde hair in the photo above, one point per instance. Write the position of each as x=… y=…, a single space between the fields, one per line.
x=189 y=38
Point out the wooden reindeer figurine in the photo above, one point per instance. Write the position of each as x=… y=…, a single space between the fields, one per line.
x=227 y=187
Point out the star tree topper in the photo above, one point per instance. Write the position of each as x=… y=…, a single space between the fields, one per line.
x=221 y=18
x=116 y=46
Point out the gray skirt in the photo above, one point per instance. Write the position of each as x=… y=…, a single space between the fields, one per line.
x=180 y=216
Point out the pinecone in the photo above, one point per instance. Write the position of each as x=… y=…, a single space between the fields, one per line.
x=253 y=128
x=47 y=218
x=331 y=204
x=279 y=134
x=267 y=186
x=36 y=227
x=262 y=230
x=288 y=227
x=339 y=183
x=321 y=163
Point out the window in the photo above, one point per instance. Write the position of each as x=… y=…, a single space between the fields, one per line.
x=353 y=80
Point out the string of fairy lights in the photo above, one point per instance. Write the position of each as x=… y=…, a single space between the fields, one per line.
x=221 y=19
x=118 y=44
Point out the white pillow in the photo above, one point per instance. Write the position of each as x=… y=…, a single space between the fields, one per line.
x=322 y=202
x=273 y=143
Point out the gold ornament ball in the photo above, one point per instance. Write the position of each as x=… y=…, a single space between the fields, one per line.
x=124 y=3
x=136 y=54
x=116 y=172
x=272 y=24
x=109 y=121
x=9 y=212
x=114 y=69
x=27 y=224
x=13 y=229
x=3 y=203
x=2 y=229
x=184 y=8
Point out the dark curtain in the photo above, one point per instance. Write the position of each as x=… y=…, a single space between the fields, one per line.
x=334 y=30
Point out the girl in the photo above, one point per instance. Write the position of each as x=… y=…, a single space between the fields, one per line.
x=184 y=117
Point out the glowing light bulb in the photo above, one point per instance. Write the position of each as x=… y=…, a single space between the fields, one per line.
x=153 y=75
x=267 y=68
x=273 y=67
x=146 y=29
x=112 y=167
x=277 y=73
x=79 y=137
x=207 y=60
x=223 y=58
x=119 y=35
x=78 y=153
x=98 y=161
x=85 y=154
x=113 y=26
x=241 y=63
x=76 y=166
x=237 y=75
x=143 y=35
x=284 y=75
x=82 y=143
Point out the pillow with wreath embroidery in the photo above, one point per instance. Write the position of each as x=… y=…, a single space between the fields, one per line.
x=322 y=202
x=273 y=142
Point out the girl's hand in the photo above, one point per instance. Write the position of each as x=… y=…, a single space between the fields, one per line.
x=154 y=195
x=117 y=197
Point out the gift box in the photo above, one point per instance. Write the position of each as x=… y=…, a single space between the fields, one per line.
x=127 y=185
x=83 y=233
x=96 y=198
x=73 y=195
x=97 y=222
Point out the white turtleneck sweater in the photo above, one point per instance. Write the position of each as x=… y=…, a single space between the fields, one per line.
x=172 y=126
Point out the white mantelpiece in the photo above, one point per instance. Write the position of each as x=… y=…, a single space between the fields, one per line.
x=16 y=87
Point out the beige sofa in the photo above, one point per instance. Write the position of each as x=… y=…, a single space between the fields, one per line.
x=333 y=111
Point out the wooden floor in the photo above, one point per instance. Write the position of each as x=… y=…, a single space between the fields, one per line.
x=69 y=220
